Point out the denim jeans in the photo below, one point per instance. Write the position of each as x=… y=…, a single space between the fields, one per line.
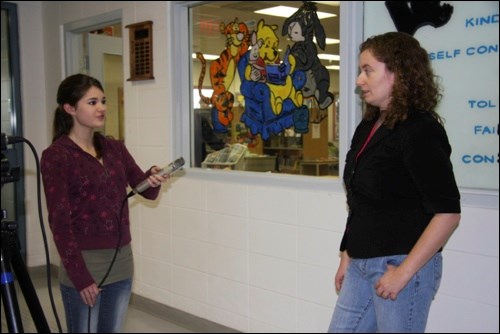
x=108 y=313
x=360 y=310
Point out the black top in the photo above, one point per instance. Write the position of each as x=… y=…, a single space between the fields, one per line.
x=402 y=178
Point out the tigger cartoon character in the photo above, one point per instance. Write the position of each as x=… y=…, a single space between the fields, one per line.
x=222 y=72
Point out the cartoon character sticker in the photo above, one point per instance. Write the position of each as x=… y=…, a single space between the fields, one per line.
x=271 y=87
x=222 y=72
x=301 y=27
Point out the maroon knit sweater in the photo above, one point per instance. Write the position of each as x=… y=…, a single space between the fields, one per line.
x=85 y=198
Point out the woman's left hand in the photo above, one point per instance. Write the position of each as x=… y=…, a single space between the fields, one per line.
x=391 y=283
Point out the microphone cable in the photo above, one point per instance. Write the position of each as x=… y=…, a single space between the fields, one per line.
x=174 y=166
x=117 y=249
x=40 y=217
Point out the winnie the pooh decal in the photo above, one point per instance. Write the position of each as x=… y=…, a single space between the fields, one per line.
x=271 y=87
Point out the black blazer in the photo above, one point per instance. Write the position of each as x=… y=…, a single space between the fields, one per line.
x=402 y=178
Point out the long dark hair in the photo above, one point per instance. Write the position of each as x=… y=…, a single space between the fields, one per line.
x=415 y=85
x=70 y=91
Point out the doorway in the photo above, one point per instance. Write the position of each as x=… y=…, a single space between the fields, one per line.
x=94 y=46
x=106 y=65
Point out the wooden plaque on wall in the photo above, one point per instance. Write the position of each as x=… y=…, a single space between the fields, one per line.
x=141 y=51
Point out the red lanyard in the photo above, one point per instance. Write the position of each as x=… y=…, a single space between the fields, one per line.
x=374 y=128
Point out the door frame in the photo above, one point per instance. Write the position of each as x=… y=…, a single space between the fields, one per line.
x=72 y=34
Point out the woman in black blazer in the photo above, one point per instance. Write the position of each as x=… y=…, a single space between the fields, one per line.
x=403 y=199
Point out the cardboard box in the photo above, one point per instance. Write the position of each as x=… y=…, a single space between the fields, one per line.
x=260 y=163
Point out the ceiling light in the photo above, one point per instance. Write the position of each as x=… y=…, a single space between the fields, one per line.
x=285 y=11
x=206 y=56
x=329 y=3
x=329 y=41
x=329 y=57
x=333 y=67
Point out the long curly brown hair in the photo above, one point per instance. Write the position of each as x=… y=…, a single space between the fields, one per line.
x=415 y=85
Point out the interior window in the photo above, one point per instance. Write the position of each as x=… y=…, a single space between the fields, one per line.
x=265 y=79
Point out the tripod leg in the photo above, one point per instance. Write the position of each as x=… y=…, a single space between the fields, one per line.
x=9 y=299
x=29 y=292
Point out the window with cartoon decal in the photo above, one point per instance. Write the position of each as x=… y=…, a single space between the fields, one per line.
x=266 y=86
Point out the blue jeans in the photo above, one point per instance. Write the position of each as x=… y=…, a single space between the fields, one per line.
x=360 y=310
x=108 y=313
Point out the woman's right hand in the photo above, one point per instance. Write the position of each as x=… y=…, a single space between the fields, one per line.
x=344 y=263
x=89 y=294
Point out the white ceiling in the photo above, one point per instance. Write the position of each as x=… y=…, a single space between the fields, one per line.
x=207 y=17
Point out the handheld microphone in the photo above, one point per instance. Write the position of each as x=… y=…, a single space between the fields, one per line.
x=167 y=170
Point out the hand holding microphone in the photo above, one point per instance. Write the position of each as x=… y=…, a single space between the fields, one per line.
x=165 y=172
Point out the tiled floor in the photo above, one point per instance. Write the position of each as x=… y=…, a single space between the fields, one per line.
x=137 y=320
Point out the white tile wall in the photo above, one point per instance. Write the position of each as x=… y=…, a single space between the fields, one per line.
x=322 y=210
x=156 y=245
x=478 y=232
x=464 y=271
x=273 y=274
x=274 y=309
x=228 y=295
x=228 y=263
x=189 y=253
x=315 y=285
x=228 y=231
x=226 y=200
x=311 y=317
x=271 y=239
x=273 y=204
x=451 y=314
x=190 y=283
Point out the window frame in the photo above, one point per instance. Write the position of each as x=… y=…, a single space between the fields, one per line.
x=351 y=34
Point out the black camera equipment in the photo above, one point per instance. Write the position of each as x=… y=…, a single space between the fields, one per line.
x=11 y=259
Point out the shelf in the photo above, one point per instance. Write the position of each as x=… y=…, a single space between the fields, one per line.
x=283 y=148
x=318 y=166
